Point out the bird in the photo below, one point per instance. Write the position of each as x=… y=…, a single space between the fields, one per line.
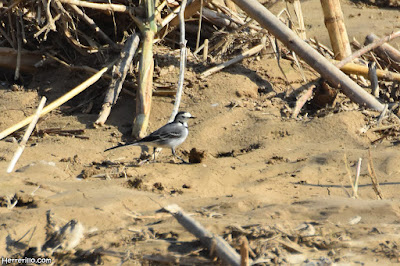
x=170 y=135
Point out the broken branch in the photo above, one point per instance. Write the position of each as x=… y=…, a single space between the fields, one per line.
x=212 y=242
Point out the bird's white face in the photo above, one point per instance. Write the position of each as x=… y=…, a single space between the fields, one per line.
x=187 y=115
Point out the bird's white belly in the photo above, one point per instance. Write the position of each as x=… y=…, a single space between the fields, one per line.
x=179 y=141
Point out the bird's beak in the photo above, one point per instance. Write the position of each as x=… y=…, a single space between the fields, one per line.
x=192 y=117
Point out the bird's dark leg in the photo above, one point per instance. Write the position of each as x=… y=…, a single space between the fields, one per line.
x=154 y=153
x=173 y=152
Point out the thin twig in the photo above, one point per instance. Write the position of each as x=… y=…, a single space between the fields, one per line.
x=172 y=15
x=182 y=64
x=299 y=66
x=93 y=25
x=21 y=21
x=205 y=50
x=357 y=177
x=321 y=46
x=238 y=58
x=50 y=21
x=107 y=7
x=199 y=30
x=26 y=136
x=346 y=164
x=278 y=61
x=302 y=100
x=300 y=19
x=10 y=7
x=12 y=30
x=374 y=179
x=19 y=46
x=383 y=114
x=4 y=34
x=11 y=205
x=368 y=48
x=373 y=78
x=182 y=67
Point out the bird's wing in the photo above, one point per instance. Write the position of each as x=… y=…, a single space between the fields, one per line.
x=167 y=132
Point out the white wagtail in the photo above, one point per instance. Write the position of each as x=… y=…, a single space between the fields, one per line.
x=170 y=135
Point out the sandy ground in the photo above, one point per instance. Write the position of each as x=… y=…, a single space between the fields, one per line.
x=265 y=176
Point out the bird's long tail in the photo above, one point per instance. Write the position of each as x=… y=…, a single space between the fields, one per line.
x=122 y=145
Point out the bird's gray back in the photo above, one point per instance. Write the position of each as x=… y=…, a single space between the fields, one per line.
x=170 y=135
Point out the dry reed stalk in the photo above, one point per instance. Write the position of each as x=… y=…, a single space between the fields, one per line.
x=26 y=136
x=300 y=19
x=374 y=179
x=144 y=92
x=105 y=7
x=357 y=178
x=244 y=251
x=119 y=74
x=334 y=22
x=19 y=48
x=385 y=127
x=352 y=68
x=146 y=68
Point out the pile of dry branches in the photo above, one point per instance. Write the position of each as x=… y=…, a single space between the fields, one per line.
x=85 y=36
x=83 y=32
